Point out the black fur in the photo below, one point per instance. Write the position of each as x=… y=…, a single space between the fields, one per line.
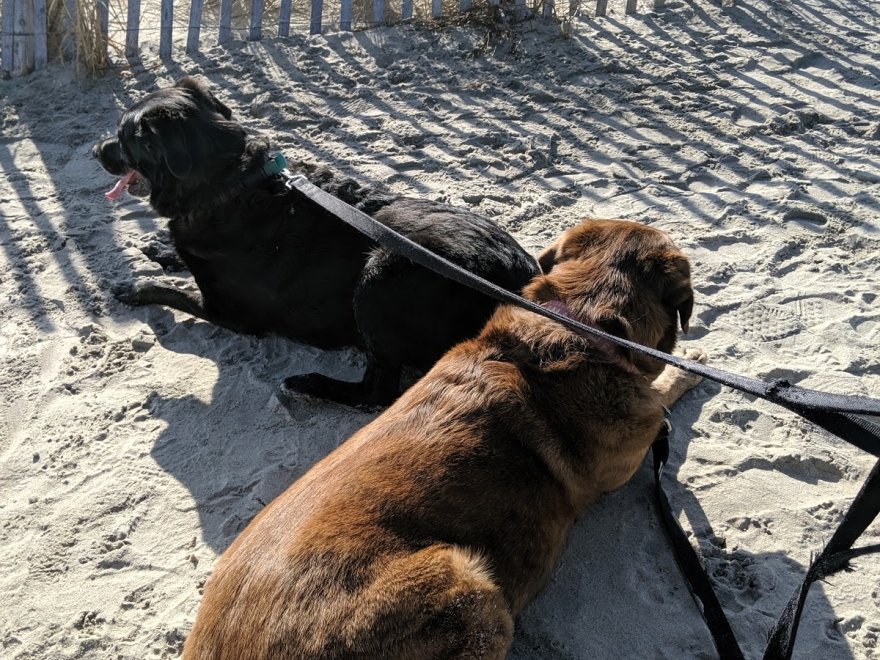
x=266 y=259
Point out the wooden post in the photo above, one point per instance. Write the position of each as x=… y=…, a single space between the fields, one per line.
x=548 y=8
x=345 y=15
x=103 y=27
x=464 y=5
x=601 y=7
x=68 y=30
x=225 y=32
x=630 y=7
x=41 y=46
x=195 y=25
x=6 y=44
x=132 y=28
x=284 y=19
x=378 y=12
x=256 y=32
x=317 y=11
x=166 y=19
x=406 y=12
x=436 y=8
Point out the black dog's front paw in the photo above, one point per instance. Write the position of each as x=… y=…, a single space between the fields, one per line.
x=361 y=393
x=150 y=293
x=164 y=255
x=324 y=387
x=311 y=384
x=128 y=293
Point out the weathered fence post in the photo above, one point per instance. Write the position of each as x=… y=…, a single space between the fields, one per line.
x=195 y=25
x=41 y=46
x=224 y=34
x=68 y=30
x=22 y=36
x=166 y=21
x=284 y=18
x=256 y=32
x=630 y=6
x=103 y=7
x=315 y=22
x=548 y=8
x=378 y=12
x=406 y=12
x=132 y=28
x=601 y=7
x=464 y=5
x=345 y=9
x=6 y=45
x=436 y=8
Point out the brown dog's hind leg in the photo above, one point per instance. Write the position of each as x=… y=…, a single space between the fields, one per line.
x=440 y=602
x=672 y=383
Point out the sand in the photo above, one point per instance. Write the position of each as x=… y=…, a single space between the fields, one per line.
x=136 y=443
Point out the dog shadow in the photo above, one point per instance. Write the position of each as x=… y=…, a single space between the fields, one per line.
x=618 y=592
x=239 y=442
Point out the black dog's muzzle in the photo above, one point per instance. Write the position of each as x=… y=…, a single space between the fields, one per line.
x=109 y=155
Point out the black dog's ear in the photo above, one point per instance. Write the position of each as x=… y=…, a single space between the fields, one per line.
x=174 y=147
x=200 y=89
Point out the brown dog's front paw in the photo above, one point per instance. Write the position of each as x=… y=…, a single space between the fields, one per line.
x=672 y=383
x=696 y=354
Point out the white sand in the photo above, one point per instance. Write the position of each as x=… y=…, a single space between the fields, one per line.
x=136 y=443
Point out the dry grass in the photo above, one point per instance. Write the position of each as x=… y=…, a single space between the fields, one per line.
x=79 y=38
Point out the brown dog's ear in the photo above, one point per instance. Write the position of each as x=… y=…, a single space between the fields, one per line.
x=541 y=289
x=547 y=258
x=619 y=327
x=679 y=293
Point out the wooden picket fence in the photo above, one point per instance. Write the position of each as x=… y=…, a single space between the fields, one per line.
x=25 y=34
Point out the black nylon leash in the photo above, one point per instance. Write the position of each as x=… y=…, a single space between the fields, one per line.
x=836 y=413
x=835 y=557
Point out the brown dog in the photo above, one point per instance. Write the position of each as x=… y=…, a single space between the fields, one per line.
x=427 y=532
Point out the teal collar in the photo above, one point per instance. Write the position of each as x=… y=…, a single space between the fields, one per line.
x=276 y=165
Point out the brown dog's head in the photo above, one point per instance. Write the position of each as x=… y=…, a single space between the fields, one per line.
x=628 y=279
x=172 y=142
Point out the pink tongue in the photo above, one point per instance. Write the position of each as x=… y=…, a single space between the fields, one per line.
x=120 y=186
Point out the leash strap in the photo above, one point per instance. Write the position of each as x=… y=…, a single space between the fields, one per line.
x=822 y=408
x=836 y=556
x=688 y=561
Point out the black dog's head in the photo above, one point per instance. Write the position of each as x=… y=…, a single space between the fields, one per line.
x=171 y=143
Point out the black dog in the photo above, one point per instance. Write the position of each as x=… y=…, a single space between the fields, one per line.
x=267 y=259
